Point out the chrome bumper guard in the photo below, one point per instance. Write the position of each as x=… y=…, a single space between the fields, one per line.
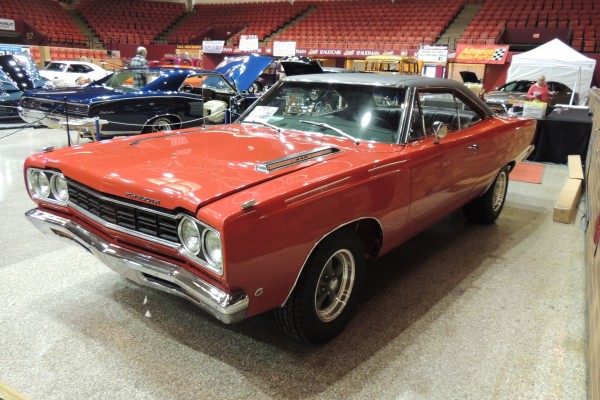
x=146 y=270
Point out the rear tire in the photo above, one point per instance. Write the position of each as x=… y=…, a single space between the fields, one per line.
x=160 y=124
x=487 y=208
x=327 y=292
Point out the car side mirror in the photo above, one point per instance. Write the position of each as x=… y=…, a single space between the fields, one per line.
x=439 y=130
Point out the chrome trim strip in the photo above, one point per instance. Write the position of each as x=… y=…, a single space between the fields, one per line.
x=387 y=165
x=320 y=189
x=525 y=153
x=297 y=158
x=145 y=269
x=57 y=102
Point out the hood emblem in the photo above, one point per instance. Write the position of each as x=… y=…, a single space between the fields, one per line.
x=142 y=198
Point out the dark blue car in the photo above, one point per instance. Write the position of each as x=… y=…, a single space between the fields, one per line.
x=133 y=101
x=18 y=73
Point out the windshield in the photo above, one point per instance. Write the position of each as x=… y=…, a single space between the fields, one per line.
x=130 y=80
x=366 y=113
x=54 y=66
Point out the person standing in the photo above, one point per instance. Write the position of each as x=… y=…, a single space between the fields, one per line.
x=139 y=61
x=539 y=90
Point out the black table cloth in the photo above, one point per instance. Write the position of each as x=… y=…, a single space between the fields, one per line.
x=561 y=134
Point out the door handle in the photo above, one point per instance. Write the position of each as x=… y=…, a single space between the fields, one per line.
x=473 y=147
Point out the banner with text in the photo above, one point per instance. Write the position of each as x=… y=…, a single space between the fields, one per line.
x=284 y=49
x=7 y=24
x=248 y=42
x=213 y=46
x=437 y=53
x=481 y=53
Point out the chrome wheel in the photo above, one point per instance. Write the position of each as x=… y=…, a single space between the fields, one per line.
x=499 y=191
x=335 y=285
x=327 y=291
x=161 y=124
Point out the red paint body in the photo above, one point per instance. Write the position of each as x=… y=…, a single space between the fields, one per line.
x=211 y=173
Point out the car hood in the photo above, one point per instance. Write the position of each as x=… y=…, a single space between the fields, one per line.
x=80 y=95
x=244 y=70
x=19 y=73
x=193 y=167
x=300 y=66
x=502 y=97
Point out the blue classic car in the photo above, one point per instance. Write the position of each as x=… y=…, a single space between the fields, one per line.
x=133 y=101
x=18 y=73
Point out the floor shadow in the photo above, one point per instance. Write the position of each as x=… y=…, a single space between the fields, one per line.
x=400 y=289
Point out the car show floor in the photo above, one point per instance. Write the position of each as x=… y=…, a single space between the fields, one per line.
x=458 y=312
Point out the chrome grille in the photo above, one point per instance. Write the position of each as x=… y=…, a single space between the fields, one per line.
x=128 y=216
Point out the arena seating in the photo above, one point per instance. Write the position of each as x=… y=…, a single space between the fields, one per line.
x=369 y=23
x=135 y=21
x=581 y=16
x=65 y=53
x=257 y=19
x=47 y=17
x=359 y=24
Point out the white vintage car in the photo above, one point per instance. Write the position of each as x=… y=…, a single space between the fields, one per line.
x=73 y=73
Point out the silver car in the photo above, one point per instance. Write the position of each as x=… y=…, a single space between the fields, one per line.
x=515 y=92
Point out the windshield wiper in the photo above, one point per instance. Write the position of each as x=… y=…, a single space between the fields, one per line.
x=276 y=128
x=324 y=125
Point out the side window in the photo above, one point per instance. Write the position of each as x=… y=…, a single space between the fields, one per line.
x=445 y=107
x=418 y=131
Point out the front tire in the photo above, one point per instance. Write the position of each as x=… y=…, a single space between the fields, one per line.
x=487 y=208
x=256 y=87
x=327 y=292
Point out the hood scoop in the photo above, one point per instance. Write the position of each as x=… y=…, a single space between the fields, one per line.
x=293 y=159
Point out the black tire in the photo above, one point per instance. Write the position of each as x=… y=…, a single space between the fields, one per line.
x=327 y=292
x=256 y=87
x=487 y=208
x=160 y=124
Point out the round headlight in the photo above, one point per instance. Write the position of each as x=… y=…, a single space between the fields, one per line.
x=39 y=184
x=58 y=185
x=189 y=235
x=212 y=247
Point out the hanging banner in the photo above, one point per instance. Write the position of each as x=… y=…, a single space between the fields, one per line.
x=284 y=49
x=481 y=53
x=436 y=53
x=213 y=46
x=248 y=43
x=7 y=24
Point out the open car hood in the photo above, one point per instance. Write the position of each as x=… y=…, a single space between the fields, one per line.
x=300 y=66
x=18 y=72
x=244 y=70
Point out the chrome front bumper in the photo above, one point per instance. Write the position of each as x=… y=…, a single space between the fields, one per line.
x=42 y=118
x=146 y=270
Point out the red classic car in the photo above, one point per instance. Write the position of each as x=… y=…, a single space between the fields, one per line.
x=280 y=210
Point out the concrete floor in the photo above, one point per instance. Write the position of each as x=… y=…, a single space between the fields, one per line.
x=458 y=312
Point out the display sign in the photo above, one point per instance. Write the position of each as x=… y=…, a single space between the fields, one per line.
x=7 y=24
x=437 y=53
x=534 y=109
x=213 y=46
x=248 y=42
x=284 y=49
x=481 y=53
x=7 y=49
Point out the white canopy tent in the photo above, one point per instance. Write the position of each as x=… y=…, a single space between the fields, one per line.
x=558 y=62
